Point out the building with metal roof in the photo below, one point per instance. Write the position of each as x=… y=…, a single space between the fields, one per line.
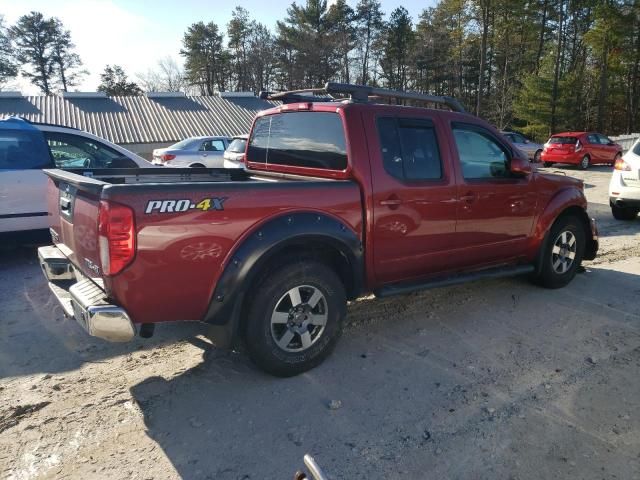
x=140 y=123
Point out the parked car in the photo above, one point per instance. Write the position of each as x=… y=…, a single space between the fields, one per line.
x=27 y=148
x=193 y=152
x=234 y=154
x=580 y=148
x=338 y=199
x=624 y=187
x=532 y=149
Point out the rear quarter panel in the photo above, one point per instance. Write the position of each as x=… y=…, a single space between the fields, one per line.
x=180 y=256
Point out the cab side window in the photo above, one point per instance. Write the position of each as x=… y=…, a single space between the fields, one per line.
x=74 y=151
x=410 y=149
x=481 y=156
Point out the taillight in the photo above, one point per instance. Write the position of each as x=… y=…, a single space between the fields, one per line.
x=117 y=236
x=578 y=146
x=167 y=156
x=622 y=165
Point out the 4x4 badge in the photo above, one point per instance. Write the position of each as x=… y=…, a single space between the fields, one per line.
x=173 y=206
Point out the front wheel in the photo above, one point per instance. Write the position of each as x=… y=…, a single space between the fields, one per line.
x=562 y=253
x=624 y=213
x=585 y=162
x=295 y=318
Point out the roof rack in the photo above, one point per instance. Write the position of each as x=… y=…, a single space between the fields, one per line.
x=358 y=94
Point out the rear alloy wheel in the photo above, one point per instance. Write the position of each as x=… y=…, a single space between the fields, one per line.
x=536 y=156
x=562 y=254
x=295 y=318
x=585 y=162
x=624 y=213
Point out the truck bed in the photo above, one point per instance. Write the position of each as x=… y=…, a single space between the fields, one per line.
x=182 y=246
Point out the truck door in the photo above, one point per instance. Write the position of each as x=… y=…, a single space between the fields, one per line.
x=495 y=209
x=414 y=198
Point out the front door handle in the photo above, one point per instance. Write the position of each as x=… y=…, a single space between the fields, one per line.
x=391 y=202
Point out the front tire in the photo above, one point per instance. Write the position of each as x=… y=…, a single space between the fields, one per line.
x=585 y=162
x=562 y=254
x=624 y=213
x=295 y=318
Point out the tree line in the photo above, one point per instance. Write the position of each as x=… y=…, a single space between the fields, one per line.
x=539 y=66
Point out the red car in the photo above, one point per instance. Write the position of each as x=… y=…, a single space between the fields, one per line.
x=340 y=198
x=580 y=148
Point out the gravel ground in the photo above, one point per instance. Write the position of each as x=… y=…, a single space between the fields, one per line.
x=491 y=380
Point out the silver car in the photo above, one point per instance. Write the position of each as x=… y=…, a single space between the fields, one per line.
x=193 y=152
x=532 y=149
x=234 y=154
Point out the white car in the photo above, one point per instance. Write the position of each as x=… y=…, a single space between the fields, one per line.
x=26 y=148
x=193 y=152
x=234 y=154
x=624 y=187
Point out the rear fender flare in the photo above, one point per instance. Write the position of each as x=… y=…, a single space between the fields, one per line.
x=265 y=243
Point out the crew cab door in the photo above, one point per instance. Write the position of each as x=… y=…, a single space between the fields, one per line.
x=495 y=209
x=414 y=197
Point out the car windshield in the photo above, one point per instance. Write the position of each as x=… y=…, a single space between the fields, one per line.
x=563 y=140
x=238 y=145
x=184 y=144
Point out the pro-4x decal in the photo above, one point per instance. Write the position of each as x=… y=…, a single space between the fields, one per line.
x=174 y=206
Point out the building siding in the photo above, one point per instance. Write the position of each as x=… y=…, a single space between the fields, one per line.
x=139 y=119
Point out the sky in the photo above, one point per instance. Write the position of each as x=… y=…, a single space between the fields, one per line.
x=135 y=34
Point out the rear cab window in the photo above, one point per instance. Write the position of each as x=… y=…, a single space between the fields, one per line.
x=299 y=139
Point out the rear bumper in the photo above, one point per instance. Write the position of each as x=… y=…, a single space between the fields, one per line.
x=572 y=158
x=83 y=300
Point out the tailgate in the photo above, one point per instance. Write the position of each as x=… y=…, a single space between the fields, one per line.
x=73 y=204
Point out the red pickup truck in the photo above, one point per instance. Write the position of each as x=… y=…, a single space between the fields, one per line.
x=339 y=198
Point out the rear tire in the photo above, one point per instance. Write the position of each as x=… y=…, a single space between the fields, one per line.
x=295 y=318
x=624 y=213
x=536 y=156
x=197 y=165
x=562 y=254
x=548 y=164
x=585 y=162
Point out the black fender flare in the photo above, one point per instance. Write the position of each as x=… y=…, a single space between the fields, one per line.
x=267 y=241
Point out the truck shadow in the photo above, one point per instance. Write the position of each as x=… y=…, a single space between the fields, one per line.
x=36 y=337
x=408 y=386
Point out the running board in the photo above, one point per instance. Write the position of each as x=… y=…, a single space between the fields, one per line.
x=499 y=272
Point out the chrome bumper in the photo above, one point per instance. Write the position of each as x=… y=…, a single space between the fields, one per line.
x=83 y=300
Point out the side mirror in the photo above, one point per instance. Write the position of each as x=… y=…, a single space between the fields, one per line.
x=520 y=166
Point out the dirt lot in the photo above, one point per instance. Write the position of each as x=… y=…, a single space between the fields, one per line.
x=496 y=380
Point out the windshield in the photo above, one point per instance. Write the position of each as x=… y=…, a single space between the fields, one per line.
x=563 y=140
x=184 y=144
x=237 y=146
